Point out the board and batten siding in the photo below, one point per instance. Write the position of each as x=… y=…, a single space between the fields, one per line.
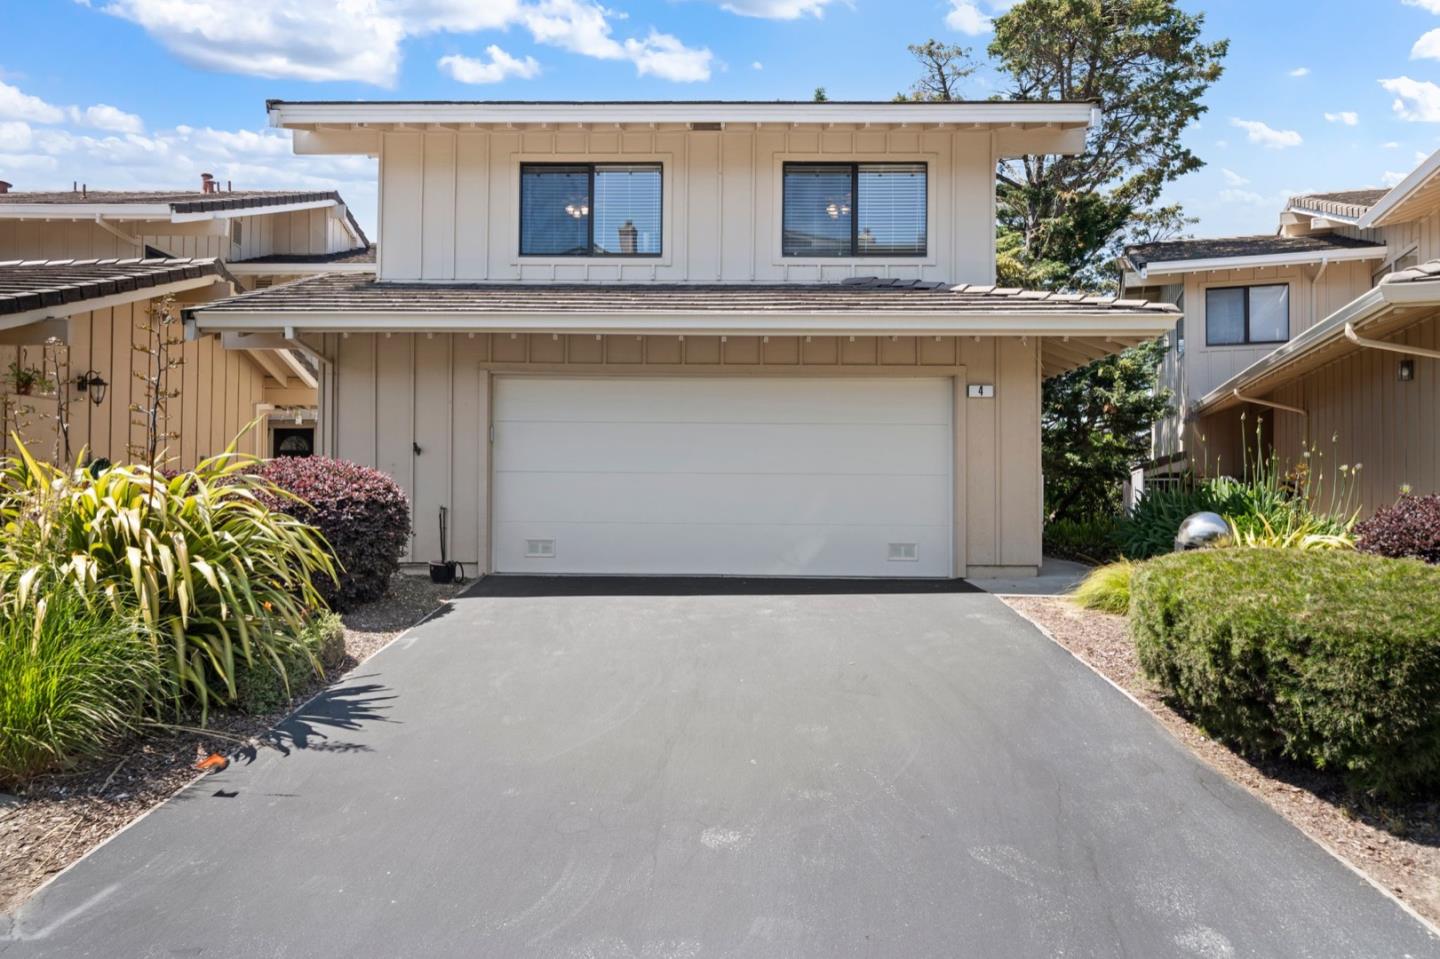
x=219 y=391
x=449 y=204
x=417 y=406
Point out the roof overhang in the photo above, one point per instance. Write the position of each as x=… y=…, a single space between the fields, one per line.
x=297 y=268
x=1262 y=261
x=1378 y=312
x=10 y=321
x=147 y=212
x=1412 y=197
x=329 y=127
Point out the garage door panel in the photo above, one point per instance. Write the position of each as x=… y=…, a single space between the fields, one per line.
x=728 y=550
x=723 y=448
x=737 y=499
x=762 y=476
x=710 y=399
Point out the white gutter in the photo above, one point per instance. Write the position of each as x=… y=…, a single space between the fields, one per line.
x=710 y=322
x=264 y=210
x=1401 y=348
x=145 y=212
x=296 y=269
x=1337 y=255
x=1340 y=218
x=1273 y=405
x=983 y=113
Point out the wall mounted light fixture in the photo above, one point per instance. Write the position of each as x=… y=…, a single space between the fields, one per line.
x=93 y=384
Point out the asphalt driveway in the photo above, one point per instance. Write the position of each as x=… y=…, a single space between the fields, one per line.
x=723 y=772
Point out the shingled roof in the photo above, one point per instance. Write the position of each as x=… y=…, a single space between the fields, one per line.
x=27 y=285
x=1350 y=204
x=1172 y=251
x=361 y=293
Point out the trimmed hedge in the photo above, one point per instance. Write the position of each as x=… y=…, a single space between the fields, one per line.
x=264 y=688
x=362 y=512
x=1329 y=658
x=1410 y=528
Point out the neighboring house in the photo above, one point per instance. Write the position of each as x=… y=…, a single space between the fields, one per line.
x=693 y=338
x=79 y=267
x=1326 y=332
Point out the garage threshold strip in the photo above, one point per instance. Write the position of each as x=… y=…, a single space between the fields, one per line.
x=1018 y=603
x=10 y=924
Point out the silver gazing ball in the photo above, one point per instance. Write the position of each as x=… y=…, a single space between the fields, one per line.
x=1202 y=531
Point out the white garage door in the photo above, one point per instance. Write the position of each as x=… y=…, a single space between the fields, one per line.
x=723 y=476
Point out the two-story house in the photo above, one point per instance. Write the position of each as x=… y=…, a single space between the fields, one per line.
x=693 y=338
x=84 y=269
x=1325 y=333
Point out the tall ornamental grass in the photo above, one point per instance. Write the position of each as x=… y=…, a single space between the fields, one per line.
x=73 y=679
x=197 y=561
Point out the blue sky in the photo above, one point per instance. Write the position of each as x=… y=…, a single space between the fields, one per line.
x=148 y=93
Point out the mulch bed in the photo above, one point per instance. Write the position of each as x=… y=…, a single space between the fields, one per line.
x=56 y=819
x=1395 y=844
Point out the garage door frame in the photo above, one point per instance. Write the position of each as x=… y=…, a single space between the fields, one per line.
x=491 y=373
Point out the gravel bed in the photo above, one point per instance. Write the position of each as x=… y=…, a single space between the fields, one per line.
x=1397 y=845
x=56 y=819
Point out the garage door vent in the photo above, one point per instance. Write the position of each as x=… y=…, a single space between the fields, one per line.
x=904 y=553
x=539 y=549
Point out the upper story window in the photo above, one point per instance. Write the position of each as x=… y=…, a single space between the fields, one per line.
x=1404 y=262
x=1237 y=315
x=854 y=209
x=590 y=209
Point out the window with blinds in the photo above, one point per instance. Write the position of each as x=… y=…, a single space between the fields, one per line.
x=854 y=209
x=1240 y=315
x=590 y=209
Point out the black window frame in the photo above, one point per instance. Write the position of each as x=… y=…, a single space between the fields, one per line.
x=855 y=209
x=1249 y=340
x=590 y=217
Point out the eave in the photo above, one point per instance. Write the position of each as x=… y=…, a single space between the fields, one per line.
x=1263 y=261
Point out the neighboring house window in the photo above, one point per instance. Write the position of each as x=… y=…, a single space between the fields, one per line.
x=235 y=232
x=1180 y=337
x=590 y=209
x=1236 y=315
x=854 y=209
x=1395 y=266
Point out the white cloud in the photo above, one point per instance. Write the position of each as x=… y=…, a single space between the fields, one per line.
x=1267 y=136
x=15 y=135
x=102 y=116
x=757 y=65
x=1392 y=145
x=1247 y=197
x=1415 y=100
x=966 y=17
x=1233 y=178
x=500 y=66
x=15 y=105
x=664 y=56
x=1347 y=117
x=322 y=40
x=1427 y=47
x=1432 y=5
x=776 y=9
x=1392 y=178
x=1300 y=72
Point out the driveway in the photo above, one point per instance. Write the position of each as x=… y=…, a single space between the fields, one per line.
x=717 y=769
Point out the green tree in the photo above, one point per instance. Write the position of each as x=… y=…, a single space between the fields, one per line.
x=1144 y=63
x=943 y=66
x=1095 y=425
x=820 y=95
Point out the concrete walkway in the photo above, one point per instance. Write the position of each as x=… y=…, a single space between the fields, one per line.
x=581 y=770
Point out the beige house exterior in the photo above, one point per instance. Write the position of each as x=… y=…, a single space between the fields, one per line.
x=87 y=255
x=1355 y=376
x=735 y=398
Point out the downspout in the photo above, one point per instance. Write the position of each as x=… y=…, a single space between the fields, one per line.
x=1359 y=340
x=1315 y=290
x=1270 y=403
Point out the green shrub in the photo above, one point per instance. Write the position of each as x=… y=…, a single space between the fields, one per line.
x=70 y=684
x=1331 y=658
x=266 y=686
x=197 y=558
x=1150 y=528
x=1107 y=588
x=1093 y=540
